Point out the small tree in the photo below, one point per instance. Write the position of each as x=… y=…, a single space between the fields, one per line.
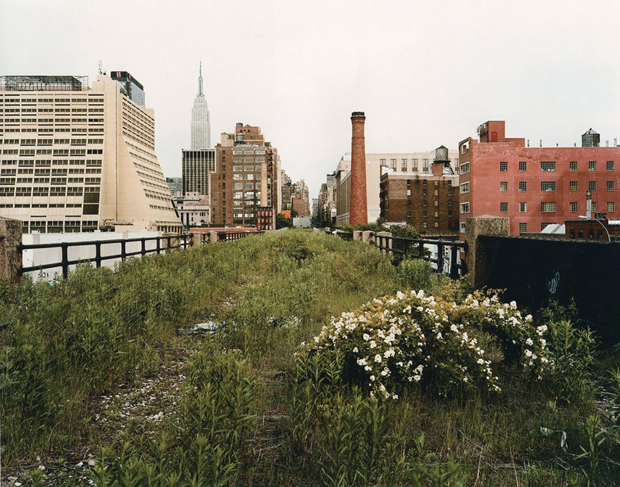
x=283 y=222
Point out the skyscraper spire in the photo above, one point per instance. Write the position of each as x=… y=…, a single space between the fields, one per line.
x=201 y=120
x=200 y=92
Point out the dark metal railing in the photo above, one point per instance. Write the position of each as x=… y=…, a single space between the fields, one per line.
x=171 y=242
x=401 y=248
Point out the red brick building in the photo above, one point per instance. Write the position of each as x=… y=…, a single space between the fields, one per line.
x=535 y=186
x=424 y=201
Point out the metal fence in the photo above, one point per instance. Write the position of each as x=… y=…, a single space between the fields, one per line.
x=162 y=244
x=443 y=254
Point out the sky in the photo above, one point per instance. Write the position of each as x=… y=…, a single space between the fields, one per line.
x=426 y=73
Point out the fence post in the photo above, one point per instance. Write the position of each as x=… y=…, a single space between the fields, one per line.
x=10 y=254
x=475 y=256
x=454 y=271
x=123 y=251
x=98 y=255
x=213 y=237
x=65 y=259
x=142 y=247
x=158 y=244
x=385 y=240
x=439 y=257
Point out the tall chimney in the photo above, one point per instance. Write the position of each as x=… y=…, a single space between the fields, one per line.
x=359 y=204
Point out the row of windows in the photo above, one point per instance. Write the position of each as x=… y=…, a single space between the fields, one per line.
x=549 y=166
x=551 y=207
x=547 y=186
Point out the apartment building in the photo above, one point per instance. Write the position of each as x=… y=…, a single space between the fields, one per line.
x=75 y=158
x=246 y=178
x=535 y=186
x=427 y=201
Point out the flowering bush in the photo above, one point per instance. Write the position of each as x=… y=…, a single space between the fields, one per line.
x=434 y=342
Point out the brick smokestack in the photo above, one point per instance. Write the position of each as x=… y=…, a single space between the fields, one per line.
x=359 y=205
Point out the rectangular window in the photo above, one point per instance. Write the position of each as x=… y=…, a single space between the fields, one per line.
x=610 y=165
x=573 y=186
x=611 y=206
x=548 y=207
x=522 y=166
x=464 y=207
x=611 y=186
x=547 y=166
x=592 y=185
x=403 y=165
x=522 y=185
x=573 y=207
x=503 y=166
x=573 y=165
x=503 y=207
x=503 y=186
x=464 y=188
x=594 y=206
x=464 y=168
x=592 y=166
x=383 y=162
x=462 y=227
x=523 y=207
x=547 y=185
x=415 y=164
x=393 y=163
x=522 y=227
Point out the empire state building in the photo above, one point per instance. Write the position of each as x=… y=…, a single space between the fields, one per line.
x=201 y=120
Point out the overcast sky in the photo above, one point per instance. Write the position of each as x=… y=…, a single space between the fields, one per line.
x=425 y=72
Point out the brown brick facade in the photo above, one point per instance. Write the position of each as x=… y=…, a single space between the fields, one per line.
x=359 y=204
x=424 y=202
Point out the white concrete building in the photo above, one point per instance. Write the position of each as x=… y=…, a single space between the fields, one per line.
x=76 y=158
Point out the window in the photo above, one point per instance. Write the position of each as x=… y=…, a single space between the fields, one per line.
x=611 y=186
x=522 y=185
x=522 y=207
x=464 y=207
x=592 y=166
x=503 y=207
x=573 y=165
x=610 y=165
x=594 y=206
x=403 y=165
x=503 y=166
x=503 y=186
x=383 y=162
x=522 y=166
x=611 y=206
x=462 y=227
x=544 y=225
x=592 y=185
x=415 y=164
x=547 y=185
x=464 y=188
x=425 y=165
x=393 y=163
x=547 y=207
x=522 y=227
x=573 y=186
x=547 y=166
x=464 y=168
x=573 y=207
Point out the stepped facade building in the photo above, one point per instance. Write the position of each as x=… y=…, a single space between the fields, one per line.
x=75 y=158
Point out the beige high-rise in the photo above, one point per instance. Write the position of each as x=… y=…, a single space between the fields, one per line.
x=76 y=158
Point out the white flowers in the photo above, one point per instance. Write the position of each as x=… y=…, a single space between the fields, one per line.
x=395 y=339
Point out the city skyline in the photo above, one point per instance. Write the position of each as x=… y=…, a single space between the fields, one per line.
x=424 y=75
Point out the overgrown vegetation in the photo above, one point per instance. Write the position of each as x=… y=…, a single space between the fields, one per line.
x=254 y=407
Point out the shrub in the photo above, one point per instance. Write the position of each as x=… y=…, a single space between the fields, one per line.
x=406 y=339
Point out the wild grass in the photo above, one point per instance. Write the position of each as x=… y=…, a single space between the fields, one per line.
x=250 y=411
